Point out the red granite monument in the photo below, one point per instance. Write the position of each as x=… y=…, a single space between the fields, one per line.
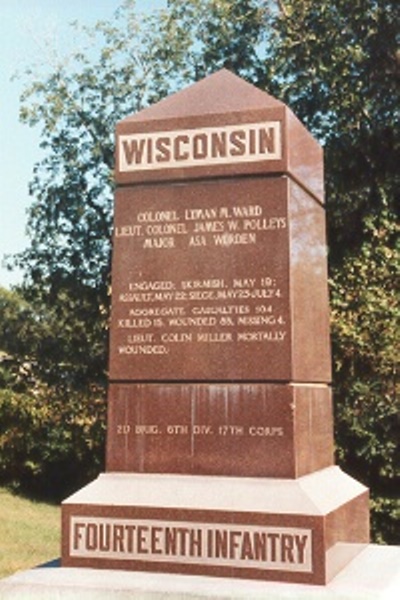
x=220 y=446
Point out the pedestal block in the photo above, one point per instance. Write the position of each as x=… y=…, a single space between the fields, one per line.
x=298 y=530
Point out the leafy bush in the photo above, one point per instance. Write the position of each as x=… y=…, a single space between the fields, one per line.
x=365 y=325
x=50 y=445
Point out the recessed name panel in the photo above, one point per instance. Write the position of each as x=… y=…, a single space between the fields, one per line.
x=250 y=142
x=218 y=545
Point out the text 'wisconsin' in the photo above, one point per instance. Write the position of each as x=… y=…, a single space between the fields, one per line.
x=249 y=142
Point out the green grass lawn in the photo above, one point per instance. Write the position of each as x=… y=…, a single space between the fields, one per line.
x=29 y=533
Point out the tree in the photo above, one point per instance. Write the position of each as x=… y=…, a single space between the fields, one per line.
x=340 y=66
x=365 y=326
x=339 y=62
x=335 y=63
x=77 y=103
x=51 y=437
x=20 y=335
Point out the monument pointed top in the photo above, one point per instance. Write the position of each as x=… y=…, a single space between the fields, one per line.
x=220 y=92
x=220 y=125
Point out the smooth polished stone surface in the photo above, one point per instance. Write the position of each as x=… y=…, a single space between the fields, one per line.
x=318 y=493
x=249 y=430
x=222 y=280
x=373 y=575
x=213 y=129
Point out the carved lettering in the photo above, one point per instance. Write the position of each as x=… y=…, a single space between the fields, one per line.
x=219 y=544
x=227 y=144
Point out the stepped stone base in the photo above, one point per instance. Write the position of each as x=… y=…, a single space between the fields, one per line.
x=302 y=530
x=374 y=574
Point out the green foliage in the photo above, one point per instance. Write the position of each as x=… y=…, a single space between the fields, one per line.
x=336 y=64
x=57 y=338
x=220 y=33
x=20 y=335
x=365 y=326
x=338 y=68
x=51 y=438
x=50 y=445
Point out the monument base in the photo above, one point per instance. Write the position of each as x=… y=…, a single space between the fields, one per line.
x=374 y=574
x=303 y=530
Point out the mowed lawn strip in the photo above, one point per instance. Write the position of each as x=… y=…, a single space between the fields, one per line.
x=29 y=533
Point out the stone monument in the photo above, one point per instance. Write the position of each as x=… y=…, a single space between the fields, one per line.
x=220 y=444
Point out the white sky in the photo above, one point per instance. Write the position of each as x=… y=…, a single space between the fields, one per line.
x=24 y=24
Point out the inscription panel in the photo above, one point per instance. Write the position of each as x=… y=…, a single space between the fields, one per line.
x=201 y=282
x=250 y=142
x=219 y=545
x=249 y=430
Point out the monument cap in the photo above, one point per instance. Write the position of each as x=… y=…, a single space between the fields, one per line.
x=220 y=126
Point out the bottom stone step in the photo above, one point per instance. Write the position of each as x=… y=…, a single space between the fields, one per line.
x=374 y=574
x=304 y=530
